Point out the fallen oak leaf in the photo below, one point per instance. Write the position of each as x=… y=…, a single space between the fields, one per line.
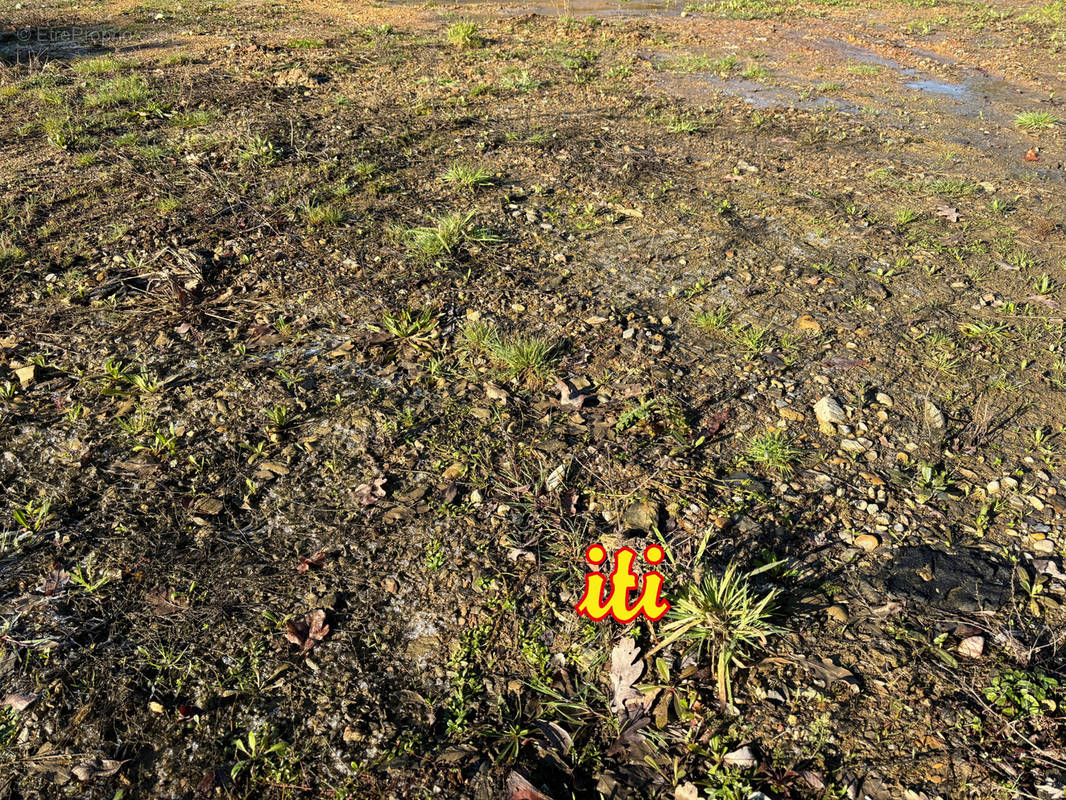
x=309 y=631
x=568 y=396
x=55 y=581
x=96 y=768
x=1032 y=154
x=518 y=788
x=369 y=493
x=19 y=702
x=626 y=669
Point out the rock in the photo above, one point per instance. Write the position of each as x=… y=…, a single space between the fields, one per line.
x=742 y=757
x=829 y=413
x=884 y=399
x=1008 y=483
x=993 y=487
x=809 y=323
x=791 y=414
x=837 y=613
x=640 y=516
x=867 y=542
x=1045 y=546
x=852 y=446
x=972 y=646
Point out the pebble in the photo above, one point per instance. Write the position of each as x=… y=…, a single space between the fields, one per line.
x=884 y=399
x=867 y=542
x=1008 y=483
x=829 y=413
x=972 y=646
x=993 y=487
x=838 y=613
x=809 y=323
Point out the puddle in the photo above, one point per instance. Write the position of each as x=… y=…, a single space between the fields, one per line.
x=579 y=9
x=955 y=91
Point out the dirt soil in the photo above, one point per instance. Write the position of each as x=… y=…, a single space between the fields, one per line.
x=332 y=334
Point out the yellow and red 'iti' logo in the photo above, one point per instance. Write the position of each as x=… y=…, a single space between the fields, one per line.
x=622 y=581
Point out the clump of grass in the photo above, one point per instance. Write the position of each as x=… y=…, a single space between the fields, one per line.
x=319 y=215
x=258 y=150
x=102 y=65
x=466 y=177
x=464 y=35
x=755 y=72
x=481 y=336
x=192 y=119
x=1035 y=120
x=724 y=616
x=118 y=92
x=752 y=339
x=446 y=236
x=1054 y=13
x=527 y=357
x=773 y=449
x=689 y=63
x=825 y=87
x=865 y=69
x=681 y=125
x=304 y=44
x=713 y=320
x=905 y=216
x=9 y=253
x=951 y=187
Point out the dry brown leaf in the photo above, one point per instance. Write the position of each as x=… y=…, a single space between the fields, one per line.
x=309 y=631
x=19 y=702
x=370 y=493
x=518 y=788
x=96 y=768
x=317 y=561
x=626 y=669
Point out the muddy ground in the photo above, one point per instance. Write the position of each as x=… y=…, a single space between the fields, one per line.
x=332 y=334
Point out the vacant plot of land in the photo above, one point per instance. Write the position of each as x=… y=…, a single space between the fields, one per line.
x=333 y=334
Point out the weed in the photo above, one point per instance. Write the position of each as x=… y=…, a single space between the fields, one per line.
x=468 y=178
x=724 y=616
x=449 y=233
x=1018 y=694
x=525 y=356
x=409 y=325
x=256 y=754
x=118 y=92
x=1035 y=120
x=464 y=35
x=773 y=449
x=320 y=215
x=713 y=320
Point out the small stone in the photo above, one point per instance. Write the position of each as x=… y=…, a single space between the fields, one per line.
x=884 y=399
x=1045 y=546
x=1009 y=483
x=972 y=646
x=640 y=516
x=1036 y=502
x=809 y=323
x=837 y=613
x=867 y=542
x=993 y=487
x=852 y=446
x=829 y=413
x=791 y=414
